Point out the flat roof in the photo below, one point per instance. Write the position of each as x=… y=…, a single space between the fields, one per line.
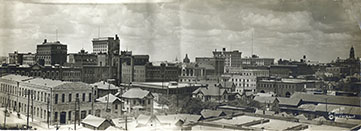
x=161 y=85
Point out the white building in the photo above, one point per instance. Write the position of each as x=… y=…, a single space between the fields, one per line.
x=246 y=79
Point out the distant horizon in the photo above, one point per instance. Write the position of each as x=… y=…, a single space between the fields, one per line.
x=321 y=30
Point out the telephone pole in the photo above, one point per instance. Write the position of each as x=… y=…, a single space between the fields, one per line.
x=27 y=113
x=6 y=109
x=32 y=106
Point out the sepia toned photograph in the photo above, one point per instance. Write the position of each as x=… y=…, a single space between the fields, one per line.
x=176 y=65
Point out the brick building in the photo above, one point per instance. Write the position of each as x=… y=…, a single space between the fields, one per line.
x=51 y=53
x=287 y=87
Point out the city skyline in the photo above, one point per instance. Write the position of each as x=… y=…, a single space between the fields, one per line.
x=165 y=31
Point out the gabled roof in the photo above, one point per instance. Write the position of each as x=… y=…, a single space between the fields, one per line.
x=210 y=91
x=308 y=107
x=104 y=99
x=207 y=113
x=289 y=101
x=93 y=120
x=136 y=93
x=104 y=85
x=339 y=100
x=173 y=118
x=264 y=99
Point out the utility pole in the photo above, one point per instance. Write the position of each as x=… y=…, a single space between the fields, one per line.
x=17 y=99
x=75 y=114
x=27 y=113
x=32 y=106
x=77 y=99
x=6 y=109
x=47 y=111
x=126 y=122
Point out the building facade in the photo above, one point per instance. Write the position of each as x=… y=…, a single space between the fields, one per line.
x=246 y=79
x=287 y=87
x=48 y=100
x=51 y=53
x=231 y=58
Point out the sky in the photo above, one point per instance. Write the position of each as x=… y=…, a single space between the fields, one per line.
x=167 y=29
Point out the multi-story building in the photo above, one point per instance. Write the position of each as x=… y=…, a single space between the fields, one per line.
x=161 y=72
x=82 y=58
x=136 y=99
x=106 y=45
x=212 y=63
x=246 y=79
x=133 y=67
x=16 y=58
x=231 y=58
x=256 y=61
x=51 y=53
x=29 y=59
x=47 y=100
x=287 y=87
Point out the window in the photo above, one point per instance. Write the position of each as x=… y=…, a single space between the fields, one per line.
x=56 y=99
x=69 y=97
x=62 y=98
x=83 y=97
x=90 y=97
x=69 y=115
x=116 y=106
x=55 y=116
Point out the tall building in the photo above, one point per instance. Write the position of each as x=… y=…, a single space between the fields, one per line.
x=106 y=45
x=51 y=53
x=231 y=58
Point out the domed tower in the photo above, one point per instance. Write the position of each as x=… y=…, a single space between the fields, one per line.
x=352 y=53
x=186 y=59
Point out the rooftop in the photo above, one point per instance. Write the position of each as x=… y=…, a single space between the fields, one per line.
x=338 y=100
x=17 y=78
x=93 y=120
x=211 y=90
x=136 y=93
x=289 y=101
x=104 y=99
x=264 y=99
x=161 y=85
x=104 y=85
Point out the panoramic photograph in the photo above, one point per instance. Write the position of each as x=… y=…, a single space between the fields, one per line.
x=174 y=65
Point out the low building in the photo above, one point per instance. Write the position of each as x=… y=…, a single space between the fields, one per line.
x=211 y=93
x=104 y=88
x=267 y=103
x=136 y=99
x=329 y=99
x=207 y=113
x=96 y=123
x=287 y=87
x=109 y=106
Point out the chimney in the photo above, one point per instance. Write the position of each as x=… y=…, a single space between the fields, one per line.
x=44 y=41
x=224 y=49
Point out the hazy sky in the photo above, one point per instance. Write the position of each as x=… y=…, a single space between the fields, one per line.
x=320 y=29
